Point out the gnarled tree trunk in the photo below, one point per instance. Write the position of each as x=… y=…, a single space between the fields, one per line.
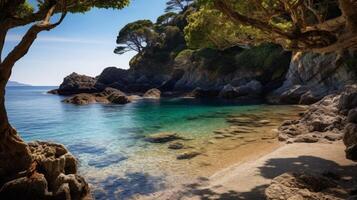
x=14 y=153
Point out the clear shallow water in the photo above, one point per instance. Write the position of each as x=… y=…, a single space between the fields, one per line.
x=108 y=139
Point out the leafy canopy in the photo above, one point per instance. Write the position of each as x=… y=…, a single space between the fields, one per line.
x=294 y=24
x=136 y=36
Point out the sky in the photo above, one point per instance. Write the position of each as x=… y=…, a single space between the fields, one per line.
x=83 y=43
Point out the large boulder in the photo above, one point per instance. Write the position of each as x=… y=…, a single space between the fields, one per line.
x=53 y=175
x=108 y=95
x=84 y=99
x=321 y=122
x=252 y=88
x=119 y=98
x=350 y=140
x=312 y=76
x=112 y=76
x=33 y=187
x=228 y=92
x=152 y=94
x=204 y=93
x=348 y=99
x=75 y=83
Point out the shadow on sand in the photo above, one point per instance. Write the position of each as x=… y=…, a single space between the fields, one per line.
x=273 y=168
x=127 y=187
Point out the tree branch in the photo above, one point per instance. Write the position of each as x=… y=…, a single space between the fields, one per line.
x=24 y=45
x=3 y=33
x=241 y=19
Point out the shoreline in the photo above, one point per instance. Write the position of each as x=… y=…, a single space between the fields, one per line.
x=248 y=178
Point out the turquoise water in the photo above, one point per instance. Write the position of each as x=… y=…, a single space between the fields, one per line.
x=108 y=139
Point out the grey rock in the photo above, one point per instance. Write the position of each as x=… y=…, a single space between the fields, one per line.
x=352 y=116
x=75 y=84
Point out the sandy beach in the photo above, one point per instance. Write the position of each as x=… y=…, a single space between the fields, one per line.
x=248 y=180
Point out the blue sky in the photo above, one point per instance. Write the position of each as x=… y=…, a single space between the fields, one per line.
x=83 y=43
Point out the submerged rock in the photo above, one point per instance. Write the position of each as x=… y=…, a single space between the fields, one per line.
x=162 y=137
x=188 y=155
x=176 y=145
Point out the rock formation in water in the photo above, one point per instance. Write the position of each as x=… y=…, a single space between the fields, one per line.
x=52 y=175
x=108 y=95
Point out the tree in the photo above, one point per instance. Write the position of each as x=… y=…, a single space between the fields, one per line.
x=177 y=5
x=14 y=153
x=166 y=18
x=136 y=36
x=306 y=25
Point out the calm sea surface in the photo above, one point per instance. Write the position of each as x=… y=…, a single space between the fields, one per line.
x=108 y=139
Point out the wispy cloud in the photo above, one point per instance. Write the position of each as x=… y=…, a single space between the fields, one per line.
x=56 y=39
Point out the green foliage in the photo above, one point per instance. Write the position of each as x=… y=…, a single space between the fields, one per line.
x=177 y=5
x=184 y=54
x=136 y=36
x=263 y=57
x=209 y=28
x=166 y=18
x=262 y=21
x=24 y=10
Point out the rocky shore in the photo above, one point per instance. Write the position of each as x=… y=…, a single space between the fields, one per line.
x=52 y=175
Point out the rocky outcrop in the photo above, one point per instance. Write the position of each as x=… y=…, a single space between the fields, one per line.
x=348 y=106
x=221 y=73
x=312 y=76
x=310 y=186
x=252 y=89
x=332 y=118
x=152 y=94
x=321 y=122
x=53 y=175
x=75 y=83
x=251 y=72
x=108 y=95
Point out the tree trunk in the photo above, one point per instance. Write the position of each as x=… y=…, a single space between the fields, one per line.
x=14 y=153
x=349 y=10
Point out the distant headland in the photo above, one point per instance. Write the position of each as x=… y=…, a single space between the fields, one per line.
x=15 y=83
